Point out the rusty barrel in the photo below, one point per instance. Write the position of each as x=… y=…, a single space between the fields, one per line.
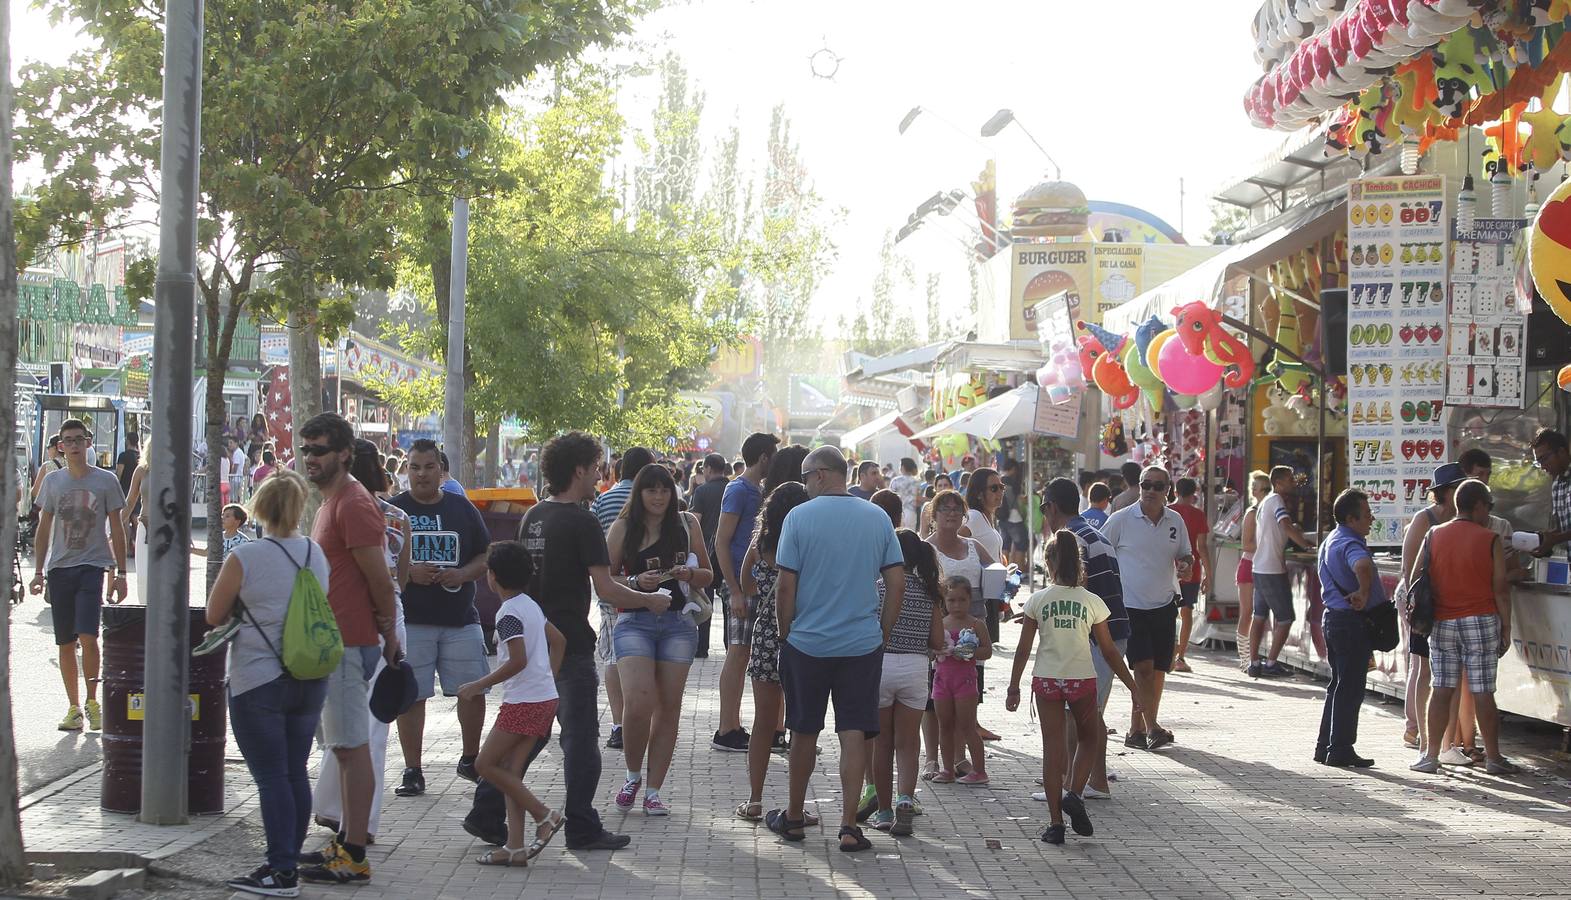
x=124 y=642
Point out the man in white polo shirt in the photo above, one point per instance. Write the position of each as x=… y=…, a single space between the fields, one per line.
x=1153 y=550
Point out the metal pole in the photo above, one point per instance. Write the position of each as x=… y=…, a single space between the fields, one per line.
x=166 y=734
x=453 y=415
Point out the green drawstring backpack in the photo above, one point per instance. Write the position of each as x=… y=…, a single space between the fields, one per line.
x=312 y=643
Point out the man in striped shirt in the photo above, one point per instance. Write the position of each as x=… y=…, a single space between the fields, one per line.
x=606 y=508
x=1061 y=509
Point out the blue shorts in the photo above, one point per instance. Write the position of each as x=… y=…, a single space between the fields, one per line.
x=456 y=655
x=76 y=599
x=667 y=637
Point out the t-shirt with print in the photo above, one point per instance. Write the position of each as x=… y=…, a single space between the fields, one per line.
x=565 y=542
x=1195 y=523
x=447 y=534
x=347 y=521
x=521 y=623
x=742 y=499
x=231 y=541
x=1064 y=616
x=837 y=545
x=81 y=508
x=1270 y=538
x=909 y=490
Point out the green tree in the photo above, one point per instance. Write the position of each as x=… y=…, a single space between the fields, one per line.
x=571 y=307
x=883 y=322
x=316 y=116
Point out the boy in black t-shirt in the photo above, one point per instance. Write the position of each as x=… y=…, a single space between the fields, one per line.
x=569 y=552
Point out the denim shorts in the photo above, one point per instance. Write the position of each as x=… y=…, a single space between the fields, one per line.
x=76 y=601
x=1104 y=672
x=663 y=637
x=346 y=719
x=456 y=655
x=1274 y=597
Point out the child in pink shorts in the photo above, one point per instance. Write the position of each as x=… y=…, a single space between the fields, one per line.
x=955 y=693
x=529 y=650
x=1065 y=621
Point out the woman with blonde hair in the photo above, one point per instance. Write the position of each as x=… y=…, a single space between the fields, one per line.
x=274 y=715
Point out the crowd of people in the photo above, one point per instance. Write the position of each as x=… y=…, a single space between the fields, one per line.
x=877 y=590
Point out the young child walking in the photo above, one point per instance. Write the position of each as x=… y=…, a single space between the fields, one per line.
x=531 y=650
x=1064 y=620
x=955 y=692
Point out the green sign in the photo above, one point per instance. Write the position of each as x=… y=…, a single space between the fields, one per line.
x=64 y=302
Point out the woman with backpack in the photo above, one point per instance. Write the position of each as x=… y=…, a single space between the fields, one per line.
x=274 y=715
x=654 y=545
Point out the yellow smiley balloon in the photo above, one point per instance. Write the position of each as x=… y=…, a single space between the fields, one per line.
x=1549 y=251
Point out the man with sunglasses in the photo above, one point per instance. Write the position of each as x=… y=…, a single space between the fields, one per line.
x=1154 y=551
x=351 y=531
x=75 y=503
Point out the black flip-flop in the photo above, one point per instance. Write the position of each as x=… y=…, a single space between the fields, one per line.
x=862 y=843
x=775 y=820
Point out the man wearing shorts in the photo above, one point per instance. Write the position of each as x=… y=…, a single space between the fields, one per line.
x=1011 y=521
x=351 y=531
x=448 y=541
x=1273 y=590
x=75 y=550
x=738 y=517
x=1153 y=551
x=1472 y=594
x=1198 y=581
x=1060 y=505
x=832 y=549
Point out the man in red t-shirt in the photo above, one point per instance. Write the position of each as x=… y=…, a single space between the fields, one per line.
x=1199 y=578
x=351 y=532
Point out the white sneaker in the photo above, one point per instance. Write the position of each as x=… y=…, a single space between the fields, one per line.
x=1455 y=757
x=1426 y=764
x=1091 y=793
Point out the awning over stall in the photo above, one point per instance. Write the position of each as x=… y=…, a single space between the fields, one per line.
x=1299 y=228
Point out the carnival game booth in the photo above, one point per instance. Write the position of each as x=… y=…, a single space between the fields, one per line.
x=1483 y=83
x=1224 y=373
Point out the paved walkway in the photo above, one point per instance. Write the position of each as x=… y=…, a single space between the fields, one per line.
x=1235 y=809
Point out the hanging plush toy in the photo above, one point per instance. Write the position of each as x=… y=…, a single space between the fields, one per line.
x=1102 y=348
x=1542 y=147
x=1200 y=328
x=1113 y=443
x=1290 y=375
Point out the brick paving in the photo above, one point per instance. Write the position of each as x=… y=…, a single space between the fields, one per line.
x=1235 y=809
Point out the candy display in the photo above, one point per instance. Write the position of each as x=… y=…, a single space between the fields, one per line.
x=1487 y=357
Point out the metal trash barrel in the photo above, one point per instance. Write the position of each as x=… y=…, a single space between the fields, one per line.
x=124 y=641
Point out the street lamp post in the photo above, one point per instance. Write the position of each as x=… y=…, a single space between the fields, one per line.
x=1002 y=119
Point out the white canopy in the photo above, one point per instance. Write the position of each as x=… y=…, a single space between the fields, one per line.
x=865 y=432
x=1004 y=416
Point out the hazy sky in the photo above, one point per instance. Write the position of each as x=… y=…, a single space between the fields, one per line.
x=1127 y=97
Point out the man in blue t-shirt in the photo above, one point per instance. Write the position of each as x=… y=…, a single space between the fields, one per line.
x=448 y=541
x=832 y=550
x=738 y=516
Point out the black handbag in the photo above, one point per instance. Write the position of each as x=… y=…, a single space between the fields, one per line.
x=1421 y=595
x=1383 y=633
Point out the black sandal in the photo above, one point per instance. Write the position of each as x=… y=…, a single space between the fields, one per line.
x=862 y=843
x=788 y=829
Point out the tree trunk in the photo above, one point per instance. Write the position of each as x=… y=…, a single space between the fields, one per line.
x=305 y=392
x=493 y=466
x=13 y=864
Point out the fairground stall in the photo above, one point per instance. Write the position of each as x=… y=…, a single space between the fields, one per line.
x=1436 y=334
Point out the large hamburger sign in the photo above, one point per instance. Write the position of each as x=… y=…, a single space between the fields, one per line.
x=1040 y=271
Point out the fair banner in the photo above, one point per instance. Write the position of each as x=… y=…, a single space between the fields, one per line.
x=1117 y=272
x=1396 y=344
x=1487 y=359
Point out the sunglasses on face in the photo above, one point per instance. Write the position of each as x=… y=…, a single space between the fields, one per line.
x=1153 y=486
x=316 y=450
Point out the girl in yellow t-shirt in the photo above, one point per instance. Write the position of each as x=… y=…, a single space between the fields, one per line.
x=1069 y=619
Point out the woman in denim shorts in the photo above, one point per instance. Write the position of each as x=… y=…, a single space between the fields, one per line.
x=654 y=545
